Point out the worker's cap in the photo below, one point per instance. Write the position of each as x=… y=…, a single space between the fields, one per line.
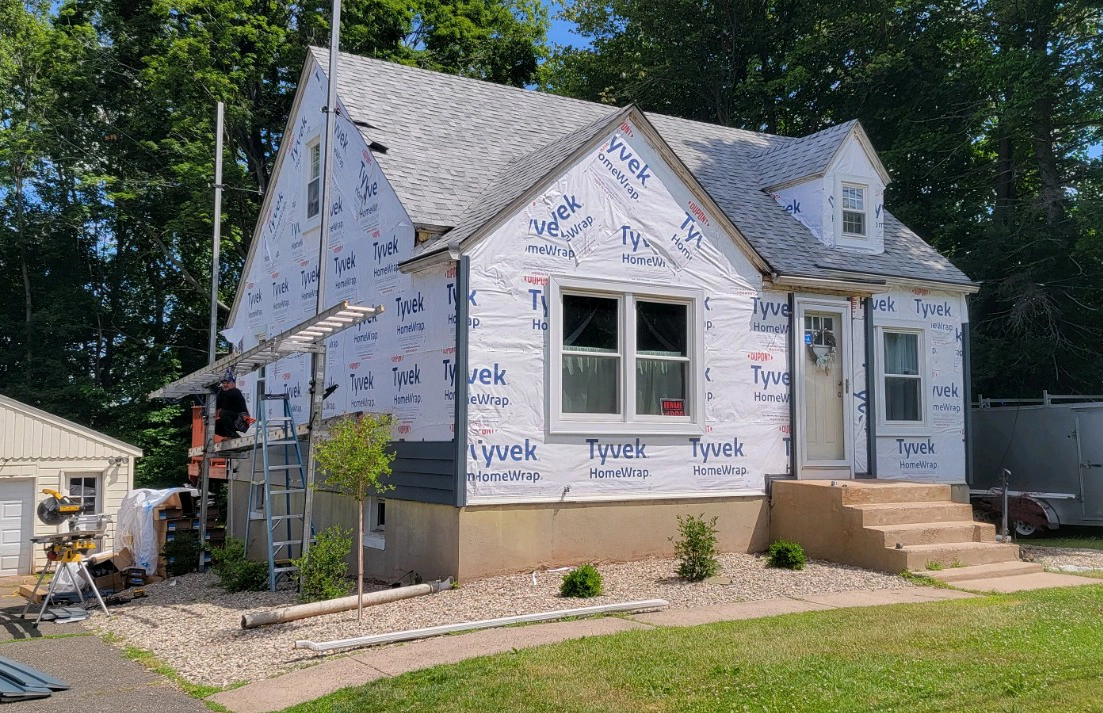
x=228 y=376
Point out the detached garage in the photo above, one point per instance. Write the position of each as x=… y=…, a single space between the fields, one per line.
x=39 y=450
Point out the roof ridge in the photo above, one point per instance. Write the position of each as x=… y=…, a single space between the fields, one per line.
x=458 y=77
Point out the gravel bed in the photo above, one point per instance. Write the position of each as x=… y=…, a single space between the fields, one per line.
x=1068 y=559
x=194 y=626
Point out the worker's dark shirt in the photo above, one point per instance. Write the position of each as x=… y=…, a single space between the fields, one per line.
x=231 y=400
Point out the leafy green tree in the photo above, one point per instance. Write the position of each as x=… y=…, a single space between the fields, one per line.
x=356 y=459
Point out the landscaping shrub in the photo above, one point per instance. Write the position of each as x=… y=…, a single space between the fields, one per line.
x=584 y=581
x=787 y=555
x=182 y=554
x=323 y=572
x=696 y=548
x=235 y=572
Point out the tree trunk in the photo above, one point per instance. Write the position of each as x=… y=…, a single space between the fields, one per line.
x=360 y=563
x=28 y=307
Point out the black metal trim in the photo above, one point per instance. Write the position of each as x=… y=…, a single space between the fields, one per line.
x=967 y=394
x=871 y=390
x=793 y=390
x=459 y=434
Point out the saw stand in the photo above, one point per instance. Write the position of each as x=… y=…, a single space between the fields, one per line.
x=65 y=548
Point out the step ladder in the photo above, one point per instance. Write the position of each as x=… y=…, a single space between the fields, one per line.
x=285 y=485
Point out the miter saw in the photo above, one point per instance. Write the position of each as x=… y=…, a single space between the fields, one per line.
x=64 y=547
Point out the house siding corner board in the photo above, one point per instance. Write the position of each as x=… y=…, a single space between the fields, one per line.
x=396 y=362
x=933 y=450
x=620 y=219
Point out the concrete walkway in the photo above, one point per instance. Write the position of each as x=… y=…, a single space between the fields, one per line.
x=370 y=664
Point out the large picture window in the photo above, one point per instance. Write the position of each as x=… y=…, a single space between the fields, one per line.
x=624 y=357
x=902 y=373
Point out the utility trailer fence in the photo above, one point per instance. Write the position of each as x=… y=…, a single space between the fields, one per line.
x=1053 y=448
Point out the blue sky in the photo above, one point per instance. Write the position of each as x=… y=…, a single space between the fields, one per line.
x=561 y=31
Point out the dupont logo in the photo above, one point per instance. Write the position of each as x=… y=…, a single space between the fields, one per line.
x=760 y=356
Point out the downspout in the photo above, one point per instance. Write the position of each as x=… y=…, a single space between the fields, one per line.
x=967 y=389
x=871 y=391
x=792 y=385
x=459 y=435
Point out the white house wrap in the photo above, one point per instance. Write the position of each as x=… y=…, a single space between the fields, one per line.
x=596 y=317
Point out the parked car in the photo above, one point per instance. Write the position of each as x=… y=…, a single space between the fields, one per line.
x=1053 y=450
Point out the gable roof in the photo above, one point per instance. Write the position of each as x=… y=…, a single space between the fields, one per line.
x=452 y=140
x=26 y=449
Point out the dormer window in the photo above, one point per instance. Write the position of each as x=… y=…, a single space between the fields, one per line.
x=854 y=210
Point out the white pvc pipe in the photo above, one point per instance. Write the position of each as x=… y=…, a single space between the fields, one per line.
x=411 y=634
x=332 y=606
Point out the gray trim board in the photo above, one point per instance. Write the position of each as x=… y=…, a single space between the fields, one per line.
x=459 y=428
x=423 y=471
x=967 y=396
x=793 y=390
x=871 y=391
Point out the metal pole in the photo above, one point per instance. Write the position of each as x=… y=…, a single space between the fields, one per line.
x=1004 y=533
x=208 y=441
x=318 y=385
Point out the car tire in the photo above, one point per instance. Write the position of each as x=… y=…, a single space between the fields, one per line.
x=1026 y=530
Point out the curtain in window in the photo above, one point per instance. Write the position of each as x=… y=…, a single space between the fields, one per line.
x=658 y=380
x=903 y=397
x=590 y=384
x=901 y=353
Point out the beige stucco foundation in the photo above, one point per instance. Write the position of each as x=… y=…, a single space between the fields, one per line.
x=438 y=541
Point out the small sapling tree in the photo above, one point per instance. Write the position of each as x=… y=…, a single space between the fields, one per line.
x=356 y=459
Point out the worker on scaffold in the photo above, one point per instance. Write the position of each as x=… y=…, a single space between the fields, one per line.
x=232 y=417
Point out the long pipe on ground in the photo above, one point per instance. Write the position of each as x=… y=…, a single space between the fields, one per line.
x=411 y=634
x=332 y=606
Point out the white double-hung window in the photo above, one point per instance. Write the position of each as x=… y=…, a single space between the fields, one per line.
x=314 y=179
x=854 y=210
x=901 y=370
x=624 y=358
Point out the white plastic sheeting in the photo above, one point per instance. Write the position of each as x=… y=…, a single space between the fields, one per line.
x=621 y=214
x=135 y=530
x=934 y=450
x=392 y=363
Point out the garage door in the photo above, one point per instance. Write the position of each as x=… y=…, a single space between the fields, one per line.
x=16 y=508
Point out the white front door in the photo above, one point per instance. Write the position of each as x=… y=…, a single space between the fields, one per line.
x=16 y=525
x=823 y=398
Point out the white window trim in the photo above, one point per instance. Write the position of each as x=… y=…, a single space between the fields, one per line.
x=622 y=424
x=96 y=475
x=312 y=220
x=257 y=513
x=901 y=428
x=375 y=535
x=852 y=240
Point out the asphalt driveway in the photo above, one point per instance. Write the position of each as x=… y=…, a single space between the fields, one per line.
x=101 y=678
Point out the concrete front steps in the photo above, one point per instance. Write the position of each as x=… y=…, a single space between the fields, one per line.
x=985 y=571
x=885 y=525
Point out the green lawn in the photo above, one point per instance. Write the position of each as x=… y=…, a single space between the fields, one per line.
x=1035 y=651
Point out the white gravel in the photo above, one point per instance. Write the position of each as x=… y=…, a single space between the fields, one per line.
x=1065 y=559
x=195 y=627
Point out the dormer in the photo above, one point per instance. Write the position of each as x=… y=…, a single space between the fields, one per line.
x=833 y=183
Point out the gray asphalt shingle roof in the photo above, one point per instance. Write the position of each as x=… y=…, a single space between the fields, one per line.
x=797 y=158
x=452 y=140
